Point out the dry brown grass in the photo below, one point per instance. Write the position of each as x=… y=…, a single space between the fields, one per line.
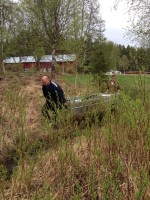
x=108 y=160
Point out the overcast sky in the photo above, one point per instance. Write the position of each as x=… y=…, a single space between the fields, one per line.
x=115 y=21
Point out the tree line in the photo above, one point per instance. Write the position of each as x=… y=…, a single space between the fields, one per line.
x=40 y=27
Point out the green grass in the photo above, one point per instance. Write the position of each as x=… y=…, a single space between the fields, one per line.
x=127 y=82
x=82 y=79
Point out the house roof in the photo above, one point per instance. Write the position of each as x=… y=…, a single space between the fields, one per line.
x=27 y=59
x=59 y=58
x=46 y=58
x=12 y=60
x=65 y=58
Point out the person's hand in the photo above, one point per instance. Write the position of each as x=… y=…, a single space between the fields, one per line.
x=65 y=105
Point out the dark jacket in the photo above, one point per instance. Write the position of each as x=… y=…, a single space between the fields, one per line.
x=113 y=87
x=54 y=95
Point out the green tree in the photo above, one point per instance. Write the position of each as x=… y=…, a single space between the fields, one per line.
x=143 y=59
x=100 y=62
x=86 y=27
x=51 y=17
x=8 y=20
x=124 y=63
x=139 y=12
x=100 y=57
x=115 y=56
x=38 y=53
x=133 y=59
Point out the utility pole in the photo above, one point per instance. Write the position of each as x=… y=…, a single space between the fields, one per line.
x=2 y=39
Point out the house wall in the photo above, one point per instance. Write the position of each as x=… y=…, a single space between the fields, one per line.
x=28 y=65
x=65 y=67
x=45 y=65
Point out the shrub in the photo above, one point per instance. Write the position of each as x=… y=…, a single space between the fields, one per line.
x=14 y=67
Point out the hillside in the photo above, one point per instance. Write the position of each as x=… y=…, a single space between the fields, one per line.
x=85 y=159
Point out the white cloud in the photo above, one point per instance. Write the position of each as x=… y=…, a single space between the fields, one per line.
x=116 y=20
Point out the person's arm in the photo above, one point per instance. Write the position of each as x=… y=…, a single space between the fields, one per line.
x=63 y=98
x=44 y=91
x=61 y=94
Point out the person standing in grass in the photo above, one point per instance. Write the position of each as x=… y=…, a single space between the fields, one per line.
x=113 y=85
x=54 y=95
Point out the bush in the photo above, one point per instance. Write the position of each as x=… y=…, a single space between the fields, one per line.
x=58 y=69
x=14 y=67
x=100 y=81
x=85 y=69
x=70 y=70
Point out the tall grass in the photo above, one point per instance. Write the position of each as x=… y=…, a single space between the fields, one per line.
x=130 y=84
x=74 y=159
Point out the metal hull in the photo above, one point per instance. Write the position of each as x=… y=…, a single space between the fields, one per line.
x=80 y=106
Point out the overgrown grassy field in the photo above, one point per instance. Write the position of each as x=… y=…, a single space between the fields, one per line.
x=127 y=82
x=84 y=159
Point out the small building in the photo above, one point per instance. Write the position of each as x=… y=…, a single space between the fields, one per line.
x=28 y=62
x=45 y=63
x=111 y=72
x=66 y=62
